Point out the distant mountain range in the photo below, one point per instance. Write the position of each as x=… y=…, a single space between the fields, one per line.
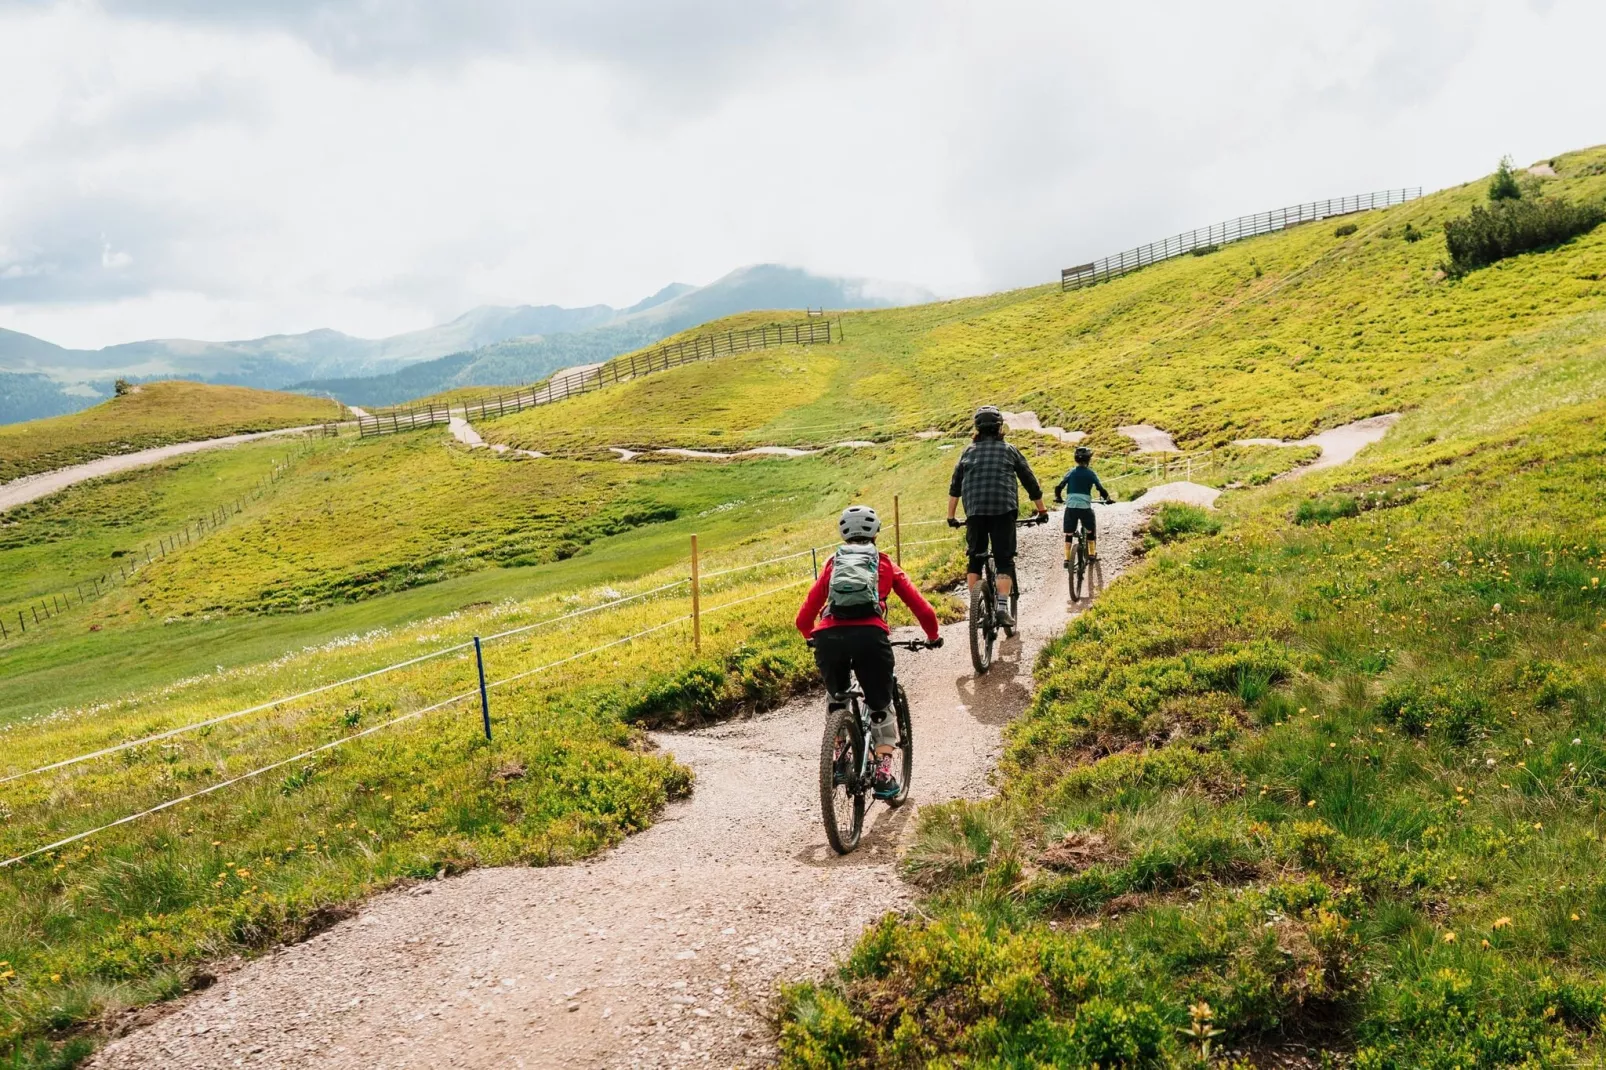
x=489 y=345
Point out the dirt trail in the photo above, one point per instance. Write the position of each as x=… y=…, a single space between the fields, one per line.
x=1338 y=444
x=29 y=488
x=663 y=951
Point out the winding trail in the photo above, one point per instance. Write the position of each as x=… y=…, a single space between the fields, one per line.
x=30 y=488
x=1338 y=444
x=662 y=951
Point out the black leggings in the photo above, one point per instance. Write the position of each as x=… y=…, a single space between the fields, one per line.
x=998 y=529
x=1086 y=517
x=863 y=650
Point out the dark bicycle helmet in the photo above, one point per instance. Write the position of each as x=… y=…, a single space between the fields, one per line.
x=1084 y=454
x=988 y=418
x=859 y=522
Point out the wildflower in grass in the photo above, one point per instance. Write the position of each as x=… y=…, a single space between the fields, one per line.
x=1449 y=938
x=1575 y=917
x=1502 y=923
x=1539 y=826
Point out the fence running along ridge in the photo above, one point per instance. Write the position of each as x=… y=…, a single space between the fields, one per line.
x=618 y=370
x=1204 y=239
x=43 y=609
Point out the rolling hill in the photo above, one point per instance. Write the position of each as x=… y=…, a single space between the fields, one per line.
x=1323 y=773
x=486 y=345
x=153 y=414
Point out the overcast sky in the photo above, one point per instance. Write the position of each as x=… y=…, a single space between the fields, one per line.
x=232 y=168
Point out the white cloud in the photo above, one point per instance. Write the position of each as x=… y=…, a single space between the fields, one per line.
x=166 y=170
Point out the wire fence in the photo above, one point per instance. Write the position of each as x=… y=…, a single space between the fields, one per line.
x=618 y=370
x=695 y=582
x=1207 y=239
x=127 y=564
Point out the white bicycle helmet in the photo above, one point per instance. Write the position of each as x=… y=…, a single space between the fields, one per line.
x=859 y=522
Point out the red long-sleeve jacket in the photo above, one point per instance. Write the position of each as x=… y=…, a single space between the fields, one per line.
x=890 y=578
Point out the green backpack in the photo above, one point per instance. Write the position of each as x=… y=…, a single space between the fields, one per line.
x=855 y=591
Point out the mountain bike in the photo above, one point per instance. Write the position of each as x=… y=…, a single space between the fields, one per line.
x=1078 y=564
x=847 y=758
x=984 y=626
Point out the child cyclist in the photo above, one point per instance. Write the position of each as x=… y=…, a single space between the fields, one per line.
x=852 y=634
x=1077 y=489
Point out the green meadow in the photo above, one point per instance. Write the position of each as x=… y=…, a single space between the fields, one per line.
x=1294 y=781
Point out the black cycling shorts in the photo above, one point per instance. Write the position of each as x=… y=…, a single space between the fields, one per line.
x=1086 y=517
x=997 y=529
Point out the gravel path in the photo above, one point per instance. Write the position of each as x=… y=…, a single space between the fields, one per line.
x=663 y=951
x=29 y=488
x=1338 y=444
x=1150 y=439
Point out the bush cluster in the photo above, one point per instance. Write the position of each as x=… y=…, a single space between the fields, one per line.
x=1508 y=227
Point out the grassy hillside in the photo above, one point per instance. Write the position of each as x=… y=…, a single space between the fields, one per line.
x=1132 y=865
x=1327 y=781
x=1315 y=328
x=155 y=414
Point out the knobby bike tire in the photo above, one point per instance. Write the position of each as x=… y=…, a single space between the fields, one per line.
x=906 y=743
x=1079 y=573
x=836 y=798
x=983 y=630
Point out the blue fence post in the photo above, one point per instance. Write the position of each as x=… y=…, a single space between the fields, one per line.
x=485 y=698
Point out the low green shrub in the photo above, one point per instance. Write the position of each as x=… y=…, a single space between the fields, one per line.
x=1506 y=228
x=1173 y=520
x=1344 y=230
x=1205 y=250
x=1411 y=234
x=1503 y=186
x=1326 y=509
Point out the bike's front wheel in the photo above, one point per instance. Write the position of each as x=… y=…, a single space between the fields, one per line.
x=842 y=785
x=906 y=744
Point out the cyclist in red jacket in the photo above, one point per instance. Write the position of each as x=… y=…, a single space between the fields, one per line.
x=852 y=637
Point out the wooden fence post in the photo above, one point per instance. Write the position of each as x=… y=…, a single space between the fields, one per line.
x=897 y=530
x=696 y=602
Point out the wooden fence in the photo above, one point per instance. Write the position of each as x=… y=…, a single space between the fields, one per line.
x=15 y=621
x=618 y=370
x=1245 y=226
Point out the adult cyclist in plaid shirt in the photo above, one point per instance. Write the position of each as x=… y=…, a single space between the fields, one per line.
x=985 y=479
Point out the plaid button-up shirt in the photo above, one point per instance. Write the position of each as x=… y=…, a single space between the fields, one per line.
x=984 y=478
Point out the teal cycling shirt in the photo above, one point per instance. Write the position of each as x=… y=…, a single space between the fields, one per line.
x=1077 y=486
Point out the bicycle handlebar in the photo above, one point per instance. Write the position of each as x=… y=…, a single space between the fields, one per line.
x=907 y=644
x=1020 y=522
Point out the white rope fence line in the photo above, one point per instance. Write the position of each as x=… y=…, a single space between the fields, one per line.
x=582 y=612
x=375 y=728
x=220 y=785
x=103 y=752
x=761 y=564
x=761 y=594
x=588 y=653
x=270 y=704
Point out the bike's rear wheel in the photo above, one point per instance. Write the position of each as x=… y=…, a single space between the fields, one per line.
x=983 y=622
x=906 y=744
x=842 y=786
x=1079 y=571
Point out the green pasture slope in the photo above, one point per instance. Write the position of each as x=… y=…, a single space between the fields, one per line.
x=1324 y=785
x=1314 y=913
x=154 y=414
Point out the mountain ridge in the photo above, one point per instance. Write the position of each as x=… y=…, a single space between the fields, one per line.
x=39 y=378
